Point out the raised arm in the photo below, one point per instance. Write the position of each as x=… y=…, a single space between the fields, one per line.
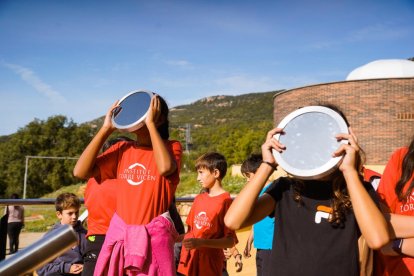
x=370 y=219
x=247 y=208
x=166 y=164
x=85 y=166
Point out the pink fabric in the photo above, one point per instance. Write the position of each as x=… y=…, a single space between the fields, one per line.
x=138 y=249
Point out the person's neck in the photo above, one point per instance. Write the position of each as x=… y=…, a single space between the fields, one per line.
x=144 y=141
x=217 y=189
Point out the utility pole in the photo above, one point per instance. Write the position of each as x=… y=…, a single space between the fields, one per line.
x=38 y=157
x=188 y=142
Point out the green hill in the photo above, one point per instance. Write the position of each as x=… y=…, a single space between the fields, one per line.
x=235 y=126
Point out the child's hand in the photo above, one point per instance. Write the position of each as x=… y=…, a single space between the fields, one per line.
x=76 y=268
x=247 y=250
x=349 y=151
x=108 y=117
x=270 y=144
x=191 y=243
x=238 y=263
x=154 y=111
x=227 y=253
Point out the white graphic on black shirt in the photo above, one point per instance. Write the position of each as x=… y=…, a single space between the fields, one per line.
x=320 y=215
x=322 y=212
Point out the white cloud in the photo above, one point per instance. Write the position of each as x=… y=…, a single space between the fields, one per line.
x=34 y=81
x=184 y=64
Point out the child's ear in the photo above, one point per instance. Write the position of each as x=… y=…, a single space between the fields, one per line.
x=59 y=214
x=216 y=173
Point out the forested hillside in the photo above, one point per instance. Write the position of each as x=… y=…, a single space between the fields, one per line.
x=232 y=125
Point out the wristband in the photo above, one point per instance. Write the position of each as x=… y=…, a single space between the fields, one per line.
x=274 y=167
x=397 y=245
x=235 y=257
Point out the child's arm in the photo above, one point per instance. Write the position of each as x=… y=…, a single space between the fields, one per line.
x=246 y=208
x=249 y=243
x=402 y=226
x=54 y=267
x=407 y=248
x=166 y=164
x=370 y=219
x=85 y=166
x=193 y=243
x=402 y=230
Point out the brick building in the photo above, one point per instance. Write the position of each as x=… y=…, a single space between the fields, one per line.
x=379 y=105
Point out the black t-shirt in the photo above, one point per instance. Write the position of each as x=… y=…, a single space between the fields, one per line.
x=305 y=242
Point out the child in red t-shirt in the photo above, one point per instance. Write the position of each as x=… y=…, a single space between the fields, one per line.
x=202 y=251
x=147 y=174
x=396 y=190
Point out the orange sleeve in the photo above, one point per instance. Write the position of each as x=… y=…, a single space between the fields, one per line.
x=390 y=177
x=107 y=162
x=176 y=151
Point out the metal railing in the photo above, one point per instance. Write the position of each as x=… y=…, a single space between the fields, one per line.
x=40 y=252
x=51 y=201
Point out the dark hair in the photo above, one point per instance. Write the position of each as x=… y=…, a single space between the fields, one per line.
x=251 y=164
x=407 y=173
x=341 y=202
x=163 y=129
x=113 y=141
x=67 y=200
x=212 y=161
x=14 y=196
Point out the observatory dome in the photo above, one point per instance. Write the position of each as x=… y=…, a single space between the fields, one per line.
x=383 y=69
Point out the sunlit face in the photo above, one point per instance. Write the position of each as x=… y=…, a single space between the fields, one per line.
x=206 y=177
x=68 y=216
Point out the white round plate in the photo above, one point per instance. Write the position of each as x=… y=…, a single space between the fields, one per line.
x=309 y=137
x=132 y=110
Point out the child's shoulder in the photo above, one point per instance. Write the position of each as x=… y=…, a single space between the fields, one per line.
x=218 y=197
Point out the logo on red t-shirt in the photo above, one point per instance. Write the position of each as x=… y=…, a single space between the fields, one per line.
x=201 y=220
x=136 y=173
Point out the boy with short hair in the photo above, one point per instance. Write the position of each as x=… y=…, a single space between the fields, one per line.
x=202 y=251
x=69 y=263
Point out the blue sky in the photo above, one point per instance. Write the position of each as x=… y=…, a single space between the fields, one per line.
x=76 y=58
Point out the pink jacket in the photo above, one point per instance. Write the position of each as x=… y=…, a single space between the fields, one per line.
x=138 y=249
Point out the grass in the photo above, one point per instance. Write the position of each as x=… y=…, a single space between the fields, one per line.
x=188 y=186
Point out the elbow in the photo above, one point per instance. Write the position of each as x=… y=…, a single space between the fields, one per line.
x=378 y=241
x=79 y=174
x=167 y=169
x=231 y=222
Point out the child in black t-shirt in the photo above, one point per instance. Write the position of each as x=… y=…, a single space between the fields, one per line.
x=319 y=221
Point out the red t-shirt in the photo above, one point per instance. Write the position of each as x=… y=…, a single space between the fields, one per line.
x=100 y=200
x=394 y=265
x=206 y=220
x=142 y=193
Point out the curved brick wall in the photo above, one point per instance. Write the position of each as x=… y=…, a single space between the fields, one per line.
x=380 y=111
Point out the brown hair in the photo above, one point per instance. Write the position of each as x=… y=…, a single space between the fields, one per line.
x=212 y=161
x=407 y=172
x=67 y=200
x=251 y=164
